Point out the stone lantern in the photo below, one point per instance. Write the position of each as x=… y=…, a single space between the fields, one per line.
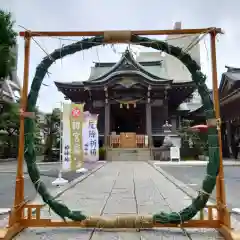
x=167 y=142
x=167 y=129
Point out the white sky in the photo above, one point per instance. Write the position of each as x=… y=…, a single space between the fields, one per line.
x=84 y=15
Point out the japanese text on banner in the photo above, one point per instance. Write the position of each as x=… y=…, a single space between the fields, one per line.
x=76 y=120
x=93 y=138
x=85 y=138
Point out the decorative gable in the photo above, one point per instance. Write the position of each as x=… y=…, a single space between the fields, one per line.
x=127 y=62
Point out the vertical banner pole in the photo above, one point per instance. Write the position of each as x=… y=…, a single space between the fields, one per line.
x=60 y=181
x=60 y=134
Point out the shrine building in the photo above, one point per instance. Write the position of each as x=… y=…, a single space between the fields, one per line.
x=229 y=93
x=136 y=96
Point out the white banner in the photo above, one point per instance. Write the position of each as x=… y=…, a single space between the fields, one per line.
x=85 y=136
x=71 y=157
x=72 y=154
x=90 y=137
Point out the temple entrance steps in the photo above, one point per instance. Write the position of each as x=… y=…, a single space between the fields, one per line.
x=128 y=154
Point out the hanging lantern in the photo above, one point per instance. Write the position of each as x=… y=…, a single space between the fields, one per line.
x=121 y=106
x=127 y=106
x=134 y=105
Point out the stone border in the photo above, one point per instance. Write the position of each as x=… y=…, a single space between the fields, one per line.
x=189 y=191
x=194 y=163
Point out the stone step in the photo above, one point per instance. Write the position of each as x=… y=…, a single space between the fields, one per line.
x=124 y=154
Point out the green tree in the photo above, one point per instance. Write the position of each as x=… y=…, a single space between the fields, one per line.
x=9 y=129
x=194 y=143
x=39 y=135
x=7 y=42
x=52 y=131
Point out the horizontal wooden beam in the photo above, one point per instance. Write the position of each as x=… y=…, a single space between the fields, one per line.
x=101 y=33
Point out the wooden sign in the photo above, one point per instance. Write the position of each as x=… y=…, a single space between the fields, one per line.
x=27 y=114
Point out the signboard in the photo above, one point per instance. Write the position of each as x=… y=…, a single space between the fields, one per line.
x=175 y=153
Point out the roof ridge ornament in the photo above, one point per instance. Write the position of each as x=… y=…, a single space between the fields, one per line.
x=231 y=69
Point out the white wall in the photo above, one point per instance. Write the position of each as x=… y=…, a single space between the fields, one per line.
x=172 y=68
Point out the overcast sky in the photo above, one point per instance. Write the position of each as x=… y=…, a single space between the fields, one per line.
x=118 y=14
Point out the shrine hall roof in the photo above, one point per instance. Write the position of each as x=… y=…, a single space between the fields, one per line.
x=151 y=67
x=151 y=72
x=126 y=65
x=230 y=81
x=233 y=73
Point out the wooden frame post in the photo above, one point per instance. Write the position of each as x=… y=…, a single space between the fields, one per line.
x=19 y=191
x=16 y=214
x=223 y=213
x=18 y=220
x=220 y=188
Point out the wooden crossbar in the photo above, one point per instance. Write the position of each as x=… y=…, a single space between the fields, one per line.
x=101 y=33
x=32 y=218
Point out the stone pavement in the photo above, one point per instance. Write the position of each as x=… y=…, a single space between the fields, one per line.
x=121 y=188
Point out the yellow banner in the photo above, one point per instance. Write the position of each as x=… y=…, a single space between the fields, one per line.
x=76 y=122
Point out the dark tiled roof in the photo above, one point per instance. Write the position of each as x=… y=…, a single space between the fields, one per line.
x=232 y=73
x=235 y=76
x=127 y=64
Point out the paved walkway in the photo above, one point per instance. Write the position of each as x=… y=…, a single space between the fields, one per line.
x=121 y=188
